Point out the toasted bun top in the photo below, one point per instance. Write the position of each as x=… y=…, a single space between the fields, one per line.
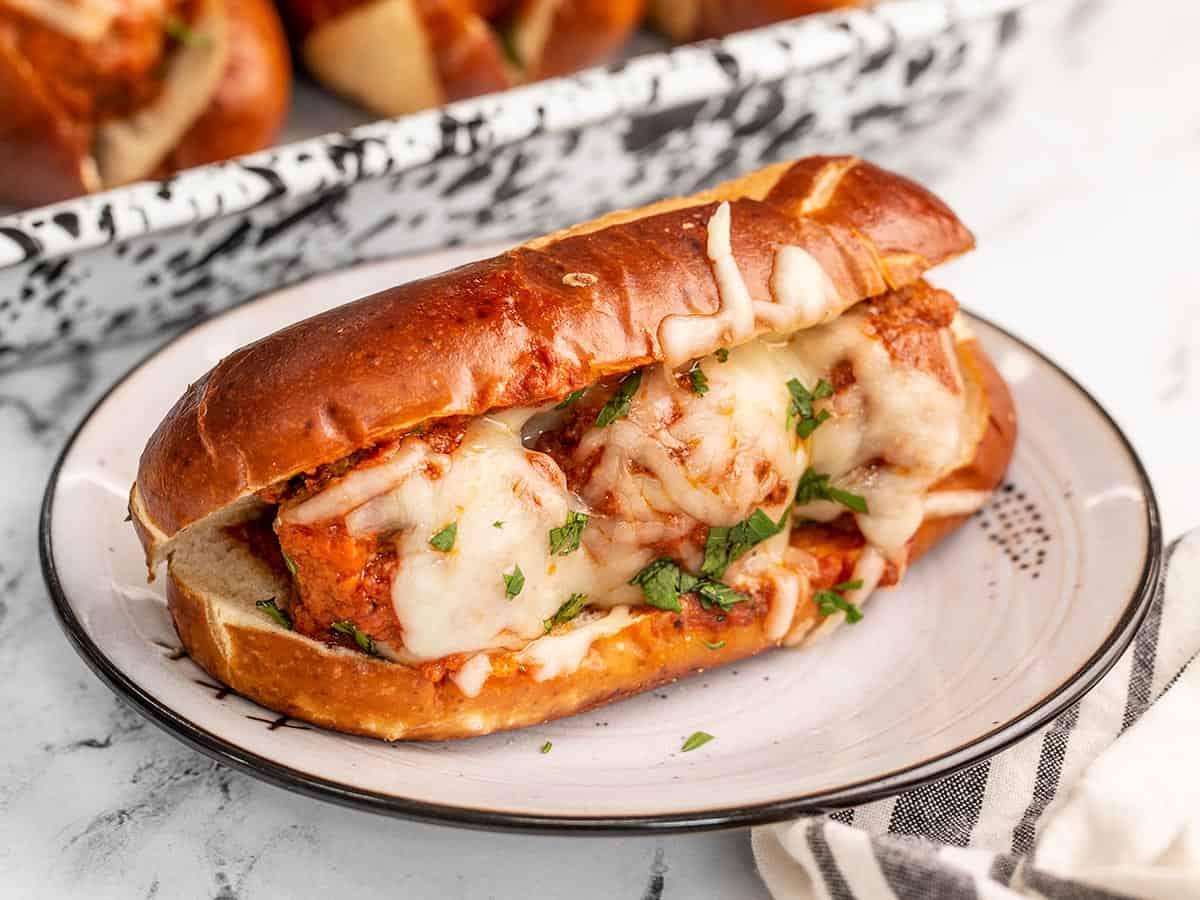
x=521 y=329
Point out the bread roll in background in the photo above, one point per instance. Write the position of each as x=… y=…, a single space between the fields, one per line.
x=401 y=56
x=101 y=94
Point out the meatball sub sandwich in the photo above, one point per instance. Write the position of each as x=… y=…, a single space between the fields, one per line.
x=651 y=444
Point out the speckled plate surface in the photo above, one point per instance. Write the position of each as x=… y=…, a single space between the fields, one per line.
x=1000 y=628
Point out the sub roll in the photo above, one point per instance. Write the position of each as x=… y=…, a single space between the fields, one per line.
x=651 y=444
x=100 y=93
x=400 y=56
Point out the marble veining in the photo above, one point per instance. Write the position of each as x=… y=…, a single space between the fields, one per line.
x=1080 y=180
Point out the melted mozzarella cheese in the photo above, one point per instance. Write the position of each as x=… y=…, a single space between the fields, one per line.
x=561 y=654
x=788 y=584
x=802 y=294
x=346 y=496
x=954 y=503
x=473 y=675
x=455 y=602
x=802 y=290
x=893 y=413
x=685 y=337
x=709 y=459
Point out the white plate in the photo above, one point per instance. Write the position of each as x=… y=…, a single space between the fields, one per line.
x=1003 y=626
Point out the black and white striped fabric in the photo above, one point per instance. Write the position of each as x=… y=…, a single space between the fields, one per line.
x=1103 y=802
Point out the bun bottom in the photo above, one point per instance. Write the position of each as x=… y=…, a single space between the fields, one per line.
x=214 y=582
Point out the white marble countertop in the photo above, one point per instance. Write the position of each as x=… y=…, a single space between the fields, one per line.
x=1081 y=179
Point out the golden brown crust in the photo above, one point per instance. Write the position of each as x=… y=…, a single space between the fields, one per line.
x=351 y=692
x=42 y=151
x=508 y=332
x=582 y=33
x=469 y=59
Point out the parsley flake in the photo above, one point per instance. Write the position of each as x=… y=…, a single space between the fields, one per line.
x=716 y=593
x=722 y=355
x=816 y=486
x=444 y=539
x=546 y=747
x=514 y=583
x=287 y=561
x=571 y=399
x=830 y=600
x=498 y=524
x=699 y=379
x=508 y=44
x=800 y=411
x=271 y=608
x=717 y=645
x=179 y=30
x=569 y=610
x=660 y=584
x=617 y=406
x=565 y=538
x=663 y=582
x=726 y=543
x=365 y=643
x=698 y=739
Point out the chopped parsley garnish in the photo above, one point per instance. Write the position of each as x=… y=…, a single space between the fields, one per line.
x=618 y=404
x=565 y=538
x=287 y=561
x=444 y=539
x=498 y=524
x=663 y=581
x=830 y=600
x=660 y=584
x=722 y=354
x=571 y=399
x=717 y=645
x=815 y=486
x=717 y=593
x=699 y=379
x=569 y=610
x=726 y=543
x=271 y=608
x=514 y=583
x=698 y=739
x=508 y=43
x=546 y=747
x=181 y=31
x=800 y=410
x=365 y=643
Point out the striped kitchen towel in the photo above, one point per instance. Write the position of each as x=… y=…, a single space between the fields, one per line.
x=1103 y=802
